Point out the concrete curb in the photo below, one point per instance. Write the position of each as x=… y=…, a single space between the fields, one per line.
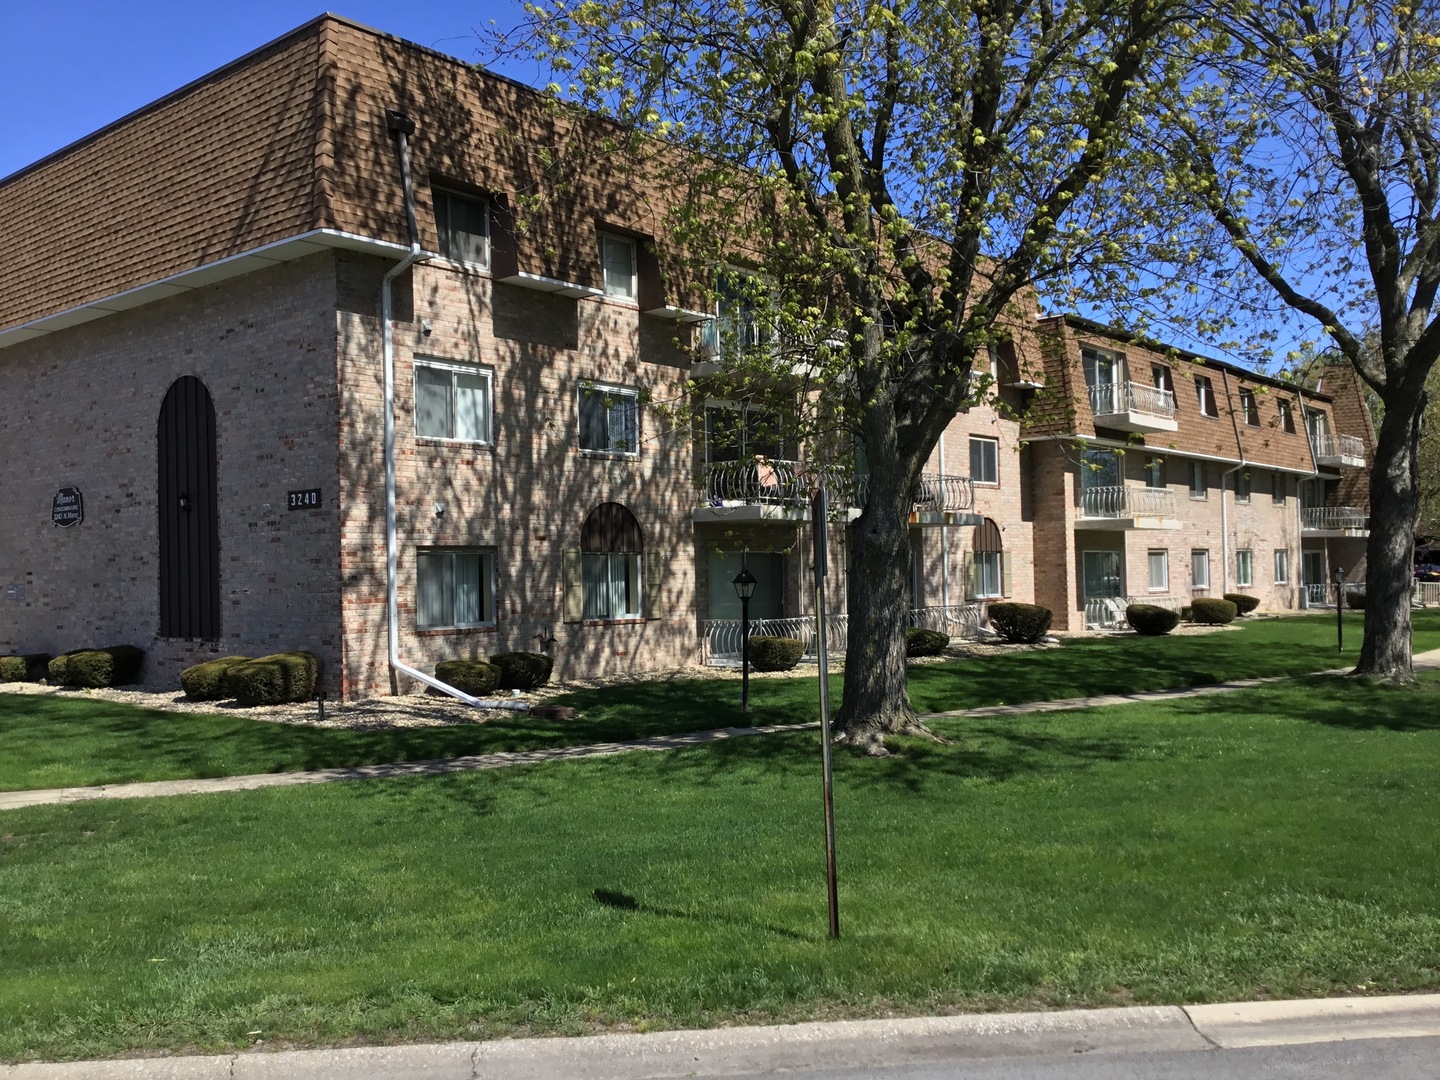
x=859 y=1044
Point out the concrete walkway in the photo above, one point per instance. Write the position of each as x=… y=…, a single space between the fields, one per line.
x=15 y=800
x=794 y=1049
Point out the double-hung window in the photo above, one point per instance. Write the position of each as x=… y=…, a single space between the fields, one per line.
x=609 y=419
x=1278 y=486
x=1287 y=417
x=617 y=260
x=984 y=460
x=1199 y=489
x=1155 y=471
x=1199 y=569
x=455 y=587
x=1242 y=486
x=1282 y=566
x=463 y=222
x=611 y=564
x=1250 y=407
x=1243 y=569
x=1205 y=393
x=452 y=401
x=1159 y=559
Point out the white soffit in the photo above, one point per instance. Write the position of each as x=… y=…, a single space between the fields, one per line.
x=295 y=247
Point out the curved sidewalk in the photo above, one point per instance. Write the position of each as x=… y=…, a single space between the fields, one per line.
x=15 y=800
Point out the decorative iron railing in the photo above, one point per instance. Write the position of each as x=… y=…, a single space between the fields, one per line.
x=1108 y=399
x=1334 y=447
x=757 y=481
x=934 y=491
x=720 y=640
x=1127 y=501
x=1334 y=517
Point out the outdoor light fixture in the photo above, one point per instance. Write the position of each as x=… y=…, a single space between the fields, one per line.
x=744 y=583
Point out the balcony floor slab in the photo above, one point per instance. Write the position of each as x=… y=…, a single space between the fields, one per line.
x=1143 y=423
x=1120 y=524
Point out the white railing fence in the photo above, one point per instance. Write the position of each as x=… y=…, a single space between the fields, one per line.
x=1106 y=399
x=1334 y=517
x=721 y=639
x=1338 y=446
x=1127 y=501
x=1427 y=593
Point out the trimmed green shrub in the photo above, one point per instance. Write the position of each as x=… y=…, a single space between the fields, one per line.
x=1151 y=620
x=1355 y=599
x=523 y=670
x=920 y=642
x=206 y=681
x=274 y=679
x=1212 y=611
x=474 y=677
x=1020 y=624
x=775 y=653
x=1244 y=602
x=114 y=665
x=26 y=667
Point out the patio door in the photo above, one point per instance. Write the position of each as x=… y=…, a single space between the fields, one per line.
x=1101 y=575
x=769 y=599
x=1100 y=378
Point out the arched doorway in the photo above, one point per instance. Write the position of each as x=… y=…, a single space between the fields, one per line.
x=188 y=513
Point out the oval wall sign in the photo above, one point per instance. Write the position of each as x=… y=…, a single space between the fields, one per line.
x=67 y=508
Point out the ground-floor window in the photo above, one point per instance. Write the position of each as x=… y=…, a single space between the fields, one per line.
x=1200 y=569
x=1282 y=566
x=455 y=587
x=987 y=562
x=612 y=584
x=1159 y=559
x=1243 y=575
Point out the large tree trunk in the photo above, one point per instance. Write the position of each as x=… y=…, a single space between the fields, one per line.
x=876 y=698
x=1389 y=566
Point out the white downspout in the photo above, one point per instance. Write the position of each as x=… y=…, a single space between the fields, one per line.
x=1300 y=503
x=1224 y=510
x=402 y=127
x=944 y=544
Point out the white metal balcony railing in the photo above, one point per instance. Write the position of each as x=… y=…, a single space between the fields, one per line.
x=1335 y=447
x=1108 y=612
x=935 y=491
x=1125 y=501
x=720 y=640
x=757 y=480
x=1107 y=399
x=1334 y=517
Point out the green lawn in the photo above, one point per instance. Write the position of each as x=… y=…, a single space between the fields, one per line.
x=72 y=741
x=1276 y=842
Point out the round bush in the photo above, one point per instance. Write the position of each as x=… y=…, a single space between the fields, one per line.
x=1151 y=620
x=1020 y=624
x=1355 y=599
x=523 y=670
x=474 y=677
x=920 y=642
x=1244 y=602
x=775 y=653
x=275 y=679
x=1212 y=611
x=114 y=665
x=27 y=667
x=206 y=681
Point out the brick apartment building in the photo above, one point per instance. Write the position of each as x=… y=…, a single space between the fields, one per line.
x=193 y=348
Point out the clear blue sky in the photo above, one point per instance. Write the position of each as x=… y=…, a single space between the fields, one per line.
x=68 y=67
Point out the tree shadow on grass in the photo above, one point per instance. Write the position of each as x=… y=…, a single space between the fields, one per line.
x=620 y=901
x=1356 y=704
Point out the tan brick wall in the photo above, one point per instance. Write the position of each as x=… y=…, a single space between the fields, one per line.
x=80 y=408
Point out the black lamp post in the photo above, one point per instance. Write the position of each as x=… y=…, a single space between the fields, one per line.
x=1339 y=609
x=744 y=584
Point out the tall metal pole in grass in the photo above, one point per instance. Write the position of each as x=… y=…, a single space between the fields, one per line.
x=819 y=517
x=1339 y=609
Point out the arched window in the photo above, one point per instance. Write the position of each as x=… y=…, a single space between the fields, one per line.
x=611 y=558
x=987 y=574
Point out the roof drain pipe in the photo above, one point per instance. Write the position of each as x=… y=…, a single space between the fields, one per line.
x=402 y=127
x=1224 y=514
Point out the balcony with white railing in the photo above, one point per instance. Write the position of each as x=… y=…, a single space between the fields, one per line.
x=721 y=639
x=1334 y=521
x=1127 y=506
x=1338 y=451
x=1132 y=406
x=939 y=499
x=756 y=489
x=1108 y=612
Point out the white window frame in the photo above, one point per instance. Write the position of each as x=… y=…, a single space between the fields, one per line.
x=444 y=233
x=1250 y=407
x=1244 y=568
x=603 y=578
x=992 y=446
x=594 y=390
x=1163 y=554
x=1200 y=560
x=486 y=374
x=430 y=557
x=1202 y=492
x=989 y=571
x=749 y=332
x=1282 y=566
x=1205 y=396
x=631 y=290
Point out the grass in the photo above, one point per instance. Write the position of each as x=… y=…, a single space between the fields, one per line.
x=73 y=741
x=1275 y=842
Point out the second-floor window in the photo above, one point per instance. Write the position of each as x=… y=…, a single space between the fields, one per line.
x=1250 y=408
x=1198 y=487
x=733 y=432
x=1205 y=394
x=1277 y=489
x=1101 y=374
x=984 y=460
x=1242 y=486
x=739 y=322
x=452 y=401
x=463 y=222
x=609 y=419
x=1154 y=472
x=617 y=261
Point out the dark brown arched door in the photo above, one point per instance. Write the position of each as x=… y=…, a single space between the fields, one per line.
x=189 y=519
